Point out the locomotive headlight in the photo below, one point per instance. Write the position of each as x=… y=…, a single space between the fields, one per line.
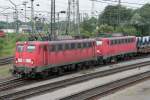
x=16 y=61
x=29 y=61
x=32 y=62
x=98 y=51
x=20 y=60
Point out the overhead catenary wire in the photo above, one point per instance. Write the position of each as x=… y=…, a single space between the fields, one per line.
x=116 y=1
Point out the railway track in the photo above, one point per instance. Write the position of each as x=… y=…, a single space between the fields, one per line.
x=8 y=81
x=98 y=92
x=12 y=83
x=4 y=61
x=49 y=87
x=16 y=83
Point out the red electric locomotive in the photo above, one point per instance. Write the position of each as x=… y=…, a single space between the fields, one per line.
x=42 y=58
x=113 y=48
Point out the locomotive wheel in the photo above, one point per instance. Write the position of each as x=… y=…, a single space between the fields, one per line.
x=113 y=60
x=45 y=74
x=79 y=67
x=60 y=71
x=106 y=61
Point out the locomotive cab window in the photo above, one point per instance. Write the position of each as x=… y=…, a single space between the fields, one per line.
x=124 y=41
x=129 y=40
x=73 y=45
x=132 y=40
x=98 y=43
x=119 y=41
x=60 y=47
x=79 y=45
x=111 y=43
x=20 y=48
x=66 y=46
x=85 y=45
x=30 y=48
x=89 y=44
x=53 y=48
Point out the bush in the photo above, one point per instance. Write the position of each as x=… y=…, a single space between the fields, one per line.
x=86 y=33
x=129 y=31
x=105 y=29
x=7 y=44
x=126 y=30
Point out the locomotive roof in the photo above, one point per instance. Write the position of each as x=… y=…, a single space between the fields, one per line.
x=113 y=38
x=55 y=42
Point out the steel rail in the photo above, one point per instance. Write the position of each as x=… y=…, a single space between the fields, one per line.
x=4 y=61
x=12 y=83
x=108 y=88
x=21 y=94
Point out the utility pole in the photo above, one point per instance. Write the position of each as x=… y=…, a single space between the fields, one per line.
x=53 y=19
x=93 y=8
x=32 y=17
x=6 y=15
x=78 y=17
x=73 y=17
x=17 y=24
x=74 y=12
x=16 y=16
x=119 y=2
x=119 y=5
x=58 y=20
x=25 y=10
x=68 y=28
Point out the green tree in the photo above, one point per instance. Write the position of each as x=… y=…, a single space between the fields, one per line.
x=1 y=44
x=145 y=18
x=89 y=25
x=115 y=15
x=136 y=21
x=2 y=24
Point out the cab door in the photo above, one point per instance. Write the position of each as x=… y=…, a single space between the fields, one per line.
x=20 y=54
x=45 y=55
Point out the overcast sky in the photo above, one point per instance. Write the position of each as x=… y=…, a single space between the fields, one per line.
x=85 y=5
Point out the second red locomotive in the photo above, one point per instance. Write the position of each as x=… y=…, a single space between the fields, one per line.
x=113 y=48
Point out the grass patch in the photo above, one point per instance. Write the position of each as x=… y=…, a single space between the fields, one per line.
x=5 y=71
x=8 y=43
